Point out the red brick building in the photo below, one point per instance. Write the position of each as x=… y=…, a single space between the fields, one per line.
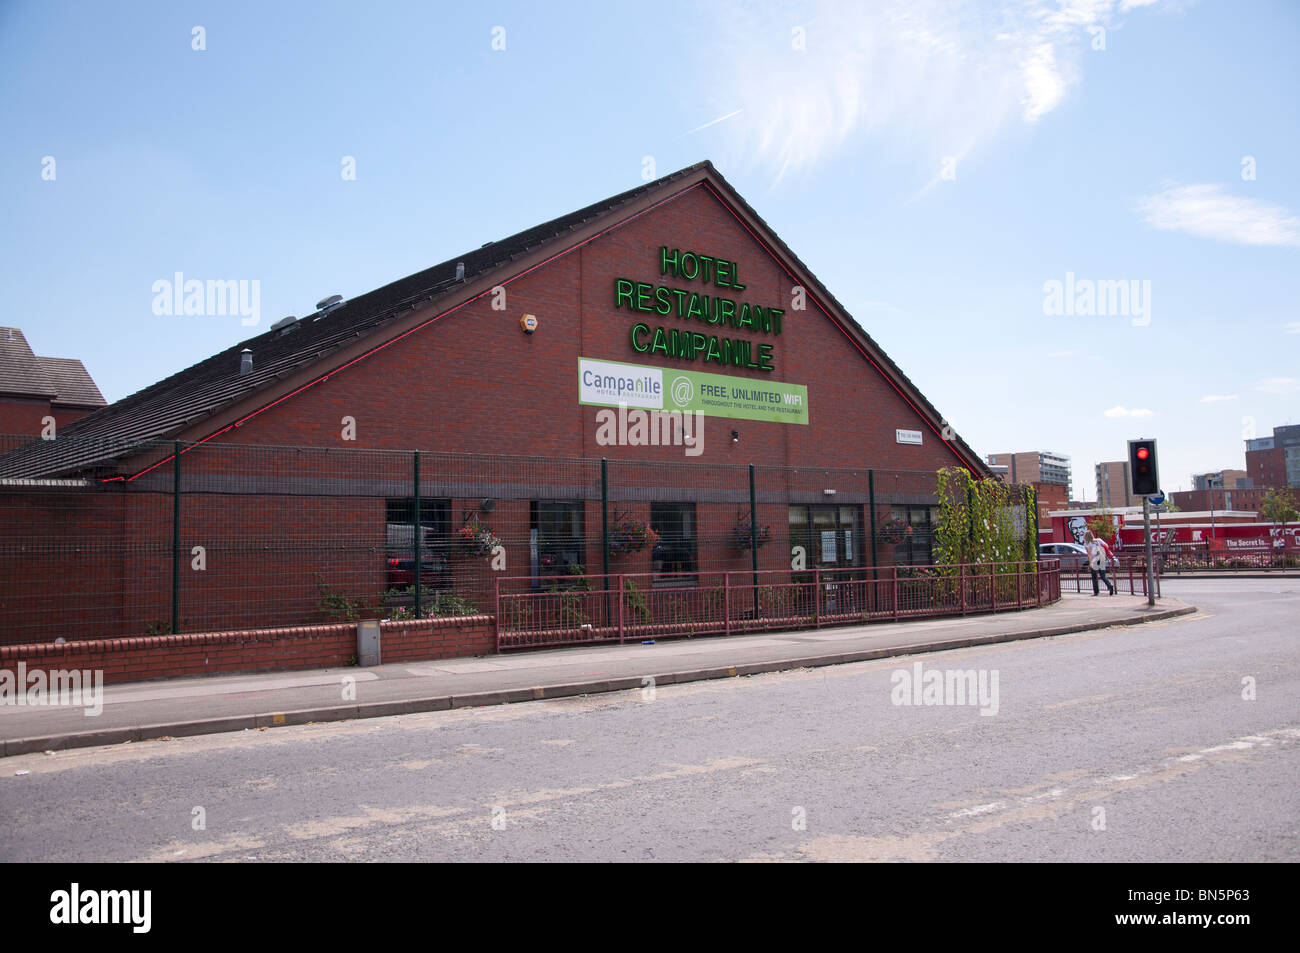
x=676 y=292
x=41 y=394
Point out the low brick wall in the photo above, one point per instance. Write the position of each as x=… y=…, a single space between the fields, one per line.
x=256 y=650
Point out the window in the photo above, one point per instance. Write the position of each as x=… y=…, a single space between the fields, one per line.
x=675 y=553
x=915 y=549
x=557 y=538
x=831 y=536
x=435 y=540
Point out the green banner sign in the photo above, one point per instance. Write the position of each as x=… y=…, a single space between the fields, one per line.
x=610 y=383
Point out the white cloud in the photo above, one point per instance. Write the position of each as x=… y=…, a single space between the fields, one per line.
x=1044 y=84
x=1292 y=327
x=1122 y=411
x=1207 y=211
x=1215 y=398
x=1279 y=386
x=942 y=75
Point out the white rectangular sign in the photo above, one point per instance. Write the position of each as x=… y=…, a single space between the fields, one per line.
x=908 y=436
x=600 y=382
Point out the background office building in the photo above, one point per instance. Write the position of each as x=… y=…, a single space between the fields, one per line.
x=1275 y=461
x=1036 y=466
x=1113 y=486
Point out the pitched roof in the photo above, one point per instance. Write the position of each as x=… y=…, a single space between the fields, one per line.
x=72 y=383
x=214 y=389
x=21 y=373
x=63 y=381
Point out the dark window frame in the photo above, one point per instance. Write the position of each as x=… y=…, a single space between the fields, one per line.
x=679 y=550
x=553 y=556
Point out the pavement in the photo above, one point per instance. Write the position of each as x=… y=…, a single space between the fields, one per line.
x=142 y=711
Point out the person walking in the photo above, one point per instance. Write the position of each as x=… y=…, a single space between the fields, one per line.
x=1097 y=563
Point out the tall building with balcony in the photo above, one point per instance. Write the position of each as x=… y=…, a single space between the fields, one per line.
x=1036 y=466
x=1113 y=485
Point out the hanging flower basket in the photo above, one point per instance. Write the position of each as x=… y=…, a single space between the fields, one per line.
x=628 y=535
x=744 y=536
x=474 y=539
x=894 y=532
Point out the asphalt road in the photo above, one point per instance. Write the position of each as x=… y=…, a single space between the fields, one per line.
x=1131 y=744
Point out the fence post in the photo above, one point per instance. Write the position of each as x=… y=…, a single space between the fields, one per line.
x=620 y=608
x=753 y=536
x=871 y=507
x=176 y=537
x=817 y=598
x=604 y=544
x=961 y=582
x=726 y=603
x=894 y=583
x=415 y=527
x=604 y=514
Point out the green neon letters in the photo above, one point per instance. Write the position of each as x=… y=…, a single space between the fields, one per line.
x=692 y=345
x=720 y=311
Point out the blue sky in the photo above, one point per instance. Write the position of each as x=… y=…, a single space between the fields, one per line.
x=935 y=164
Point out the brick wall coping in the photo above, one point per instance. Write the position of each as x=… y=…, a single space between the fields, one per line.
x=190 y=640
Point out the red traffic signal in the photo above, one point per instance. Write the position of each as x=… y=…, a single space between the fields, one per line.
x=1144 y=478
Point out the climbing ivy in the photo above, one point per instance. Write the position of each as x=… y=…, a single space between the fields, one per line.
x=975 y=522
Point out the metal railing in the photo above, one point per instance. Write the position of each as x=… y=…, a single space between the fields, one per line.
x=1175 y=558
x=1128 y=574
x=534 y=612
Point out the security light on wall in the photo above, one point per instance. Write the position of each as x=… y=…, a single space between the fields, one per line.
x=735 y=436
x=487 y=506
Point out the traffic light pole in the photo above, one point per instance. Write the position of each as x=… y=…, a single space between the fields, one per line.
x=1146 y=530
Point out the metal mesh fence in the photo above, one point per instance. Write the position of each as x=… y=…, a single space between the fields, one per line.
x=224 y=536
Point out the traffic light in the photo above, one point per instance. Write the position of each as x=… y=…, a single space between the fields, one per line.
x=1143 y=474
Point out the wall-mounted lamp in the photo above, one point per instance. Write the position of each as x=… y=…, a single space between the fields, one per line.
x=735 y=436
x=828 y=492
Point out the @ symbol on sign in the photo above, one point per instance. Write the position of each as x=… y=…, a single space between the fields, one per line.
x=683 y=391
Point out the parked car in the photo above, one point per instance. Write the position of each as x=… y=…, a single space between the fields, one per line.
x=1073 y=557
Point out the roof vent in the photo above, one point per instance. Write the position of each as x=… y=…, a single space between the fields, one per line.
x=460 y=271
x=326 y=305
x=283 y=323
x=245 y=362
